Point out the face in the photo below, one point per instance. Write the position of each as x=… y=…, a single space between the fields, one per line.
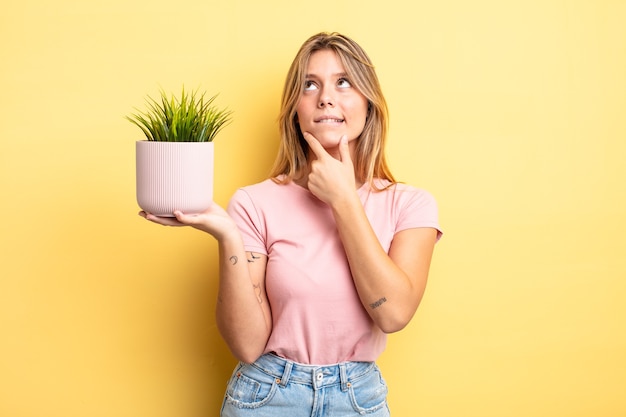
x=330 y=106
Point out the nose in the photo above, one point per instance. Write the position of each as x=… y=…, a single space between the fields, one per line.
x=326 y=99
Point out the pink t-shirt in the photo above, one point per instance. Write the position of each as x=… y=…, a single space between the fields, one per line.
x=316 y=312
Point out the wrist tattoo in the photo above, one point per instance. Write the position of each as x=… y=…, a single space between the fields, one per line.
x=378 y=303
x=233 y=259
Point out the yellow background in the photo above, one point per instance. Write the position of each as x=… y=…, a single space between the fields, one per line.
x=512 y=113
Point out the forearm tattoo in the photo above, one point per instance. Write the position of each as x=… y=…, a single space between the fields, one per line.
x=378 y=303
x=257 y=290
x=234 y=259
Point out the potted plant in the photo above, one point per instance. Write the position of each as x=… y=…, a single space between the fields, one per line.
x=175 y=164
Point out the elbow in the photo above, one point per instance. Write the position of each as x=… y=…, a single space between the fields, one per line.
x=245 y=352
x=245 y=344
x=393 y=326
x=247 y=357
x=393 y=323
x=395 y=316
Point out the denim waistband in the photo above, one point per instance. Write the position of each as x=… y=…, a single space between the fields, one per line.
x=318 y=376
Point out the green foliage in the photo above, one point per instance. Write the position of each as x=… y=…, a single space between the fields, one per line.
x=190 y=118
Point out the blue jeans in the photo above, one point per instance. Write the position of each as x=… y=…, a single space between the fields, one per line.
x=275 y=387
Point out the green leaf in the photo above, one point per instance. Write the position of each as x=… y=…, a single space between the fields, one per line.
x=190 y=118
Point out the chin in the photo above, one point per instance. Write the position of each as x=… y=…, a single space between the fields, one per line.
x=329 y=139
x=330 y=143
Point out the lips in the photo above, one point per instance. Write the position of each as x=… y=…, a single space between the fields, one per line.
x=329 y=119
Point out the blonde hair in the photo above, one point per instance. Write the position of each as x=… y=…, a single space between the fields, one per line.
x=369 y=160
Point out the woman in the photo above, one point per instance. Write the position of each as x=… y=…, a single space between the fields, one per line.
x=323 y=259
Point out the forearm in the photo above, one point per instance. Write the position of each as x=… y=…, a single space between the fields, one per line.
x=386 y=290
x=242 y=318
x=243 y=314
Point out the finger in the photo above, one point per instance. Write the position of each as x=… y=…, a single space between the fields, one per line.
x=315 y=145
x=164 y=221
x=344 y=149
x=186 y=218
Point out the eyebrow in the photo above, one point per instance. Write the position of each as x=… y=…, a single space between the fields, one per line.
x=338 y=74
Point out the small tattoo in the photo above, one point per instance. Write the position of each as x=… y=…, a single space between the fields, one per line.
x=257 y=288
x=253 y=257
x=378 y=303
x=233 y=259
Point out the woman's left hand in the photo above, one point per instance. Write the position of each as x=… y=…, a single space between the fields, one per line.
x=330 y=178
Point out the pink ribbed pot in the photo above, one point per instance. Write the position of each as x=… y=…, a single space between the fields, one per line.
x=174 y=176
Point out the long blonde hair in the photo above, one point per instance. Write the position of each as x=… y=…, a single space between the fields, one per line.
x=369 y=160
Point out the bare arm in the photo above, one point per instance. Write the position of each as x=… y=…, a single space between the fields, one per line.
x=390 y=285
x=243 y=313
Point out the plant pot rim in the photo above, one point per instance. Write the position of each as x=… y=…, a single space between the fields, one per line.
x=167 y=141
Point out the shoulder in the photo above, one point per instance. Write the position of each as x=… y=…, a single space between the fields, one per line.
x=402 y=193
x=264 y=195
x=410 y=206
x=255 y=189
x=263 y=185
x=414 y=193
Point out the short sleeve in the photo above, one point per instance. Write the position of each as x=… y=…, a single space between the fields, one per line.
x=248 y=219
x=417 y=208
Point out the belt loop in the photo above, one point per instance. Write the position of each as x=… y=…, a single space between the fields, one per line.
x=286 y=372
x=343 y=375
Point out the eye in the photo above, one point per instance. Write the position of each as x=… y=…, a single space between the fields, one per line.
x=343 y=83
x=309 y=85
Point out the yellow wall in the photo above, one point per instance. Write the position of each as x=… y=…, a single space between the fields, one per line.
x=513 y=113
